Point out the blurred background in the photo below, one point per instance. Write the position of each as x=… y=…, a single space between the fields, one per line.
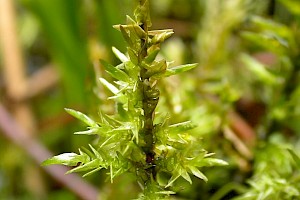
x=244 y=95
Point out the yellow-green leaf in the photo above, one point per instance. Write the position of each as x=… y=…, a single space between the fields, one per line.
x=122 y=57
x=197 y=173
x=186 y=176
x=82 y=117
x=182 y=126
x=295 y=157
x=86 y=167
x=213 y=162
x=69 y=159
x=109 y=86
x=180 y=69
x=115 y=72
x=175 y=176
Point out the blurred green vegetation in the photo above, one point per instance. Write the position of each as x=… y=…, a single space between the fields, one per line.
x=248 y=53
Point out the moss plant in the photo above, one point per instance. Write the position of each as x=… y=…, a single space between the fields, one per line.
x=130 y=141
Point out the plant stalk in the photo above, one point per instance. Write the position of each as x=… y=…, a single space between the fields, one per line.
x=148 y=101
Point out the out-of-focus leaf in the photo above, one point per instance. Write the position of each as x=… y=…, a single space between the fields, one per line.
x=267 y=41
x=295 y=157
x=62 y=24
x=258 y=70
x=82 y=117
x=166 y=192
x=292 y=5
x=268 y=25
x=108 y=13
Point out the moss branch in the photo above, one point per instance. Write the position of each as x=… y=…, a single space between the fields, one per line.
x=148 y=91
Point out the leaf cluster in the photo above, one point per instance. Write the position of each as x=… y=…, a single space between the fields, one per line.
x=129 y=141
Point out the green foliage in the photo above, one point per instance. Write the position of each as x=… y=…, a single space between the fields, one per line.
x=276 y=176
x=248 y=55
x=259 y=70
x=276 y=164
x=130 y=141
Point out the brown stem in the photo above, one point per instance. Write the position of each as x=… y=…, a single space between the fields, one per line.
x=243 y=130
x=149 y=103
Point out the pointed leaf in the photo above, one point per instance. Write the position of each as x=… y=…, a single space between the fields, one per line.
x=87 y=132
x=186 y=176
x=124 y=34
x=107 y=140
x=97 y=154
x=155 y=32
x=124 y=127
x=180 y=69
x=115 y=72
x=129 y=20
x=86 y=167
x=119 y=54
x=132 y=29
x=197 y=173
x=82 y=117
x=84 y=150
x=213 y=162
x=69 y=159
x=93 y=171
x=152 y=55
x=175 y=176
x=161 y=37
x=181 y=127
x=111 y=120
x=109 y=86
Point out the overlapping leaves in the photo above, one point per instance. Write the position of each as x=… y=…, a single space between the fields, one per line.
x=121 y=143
